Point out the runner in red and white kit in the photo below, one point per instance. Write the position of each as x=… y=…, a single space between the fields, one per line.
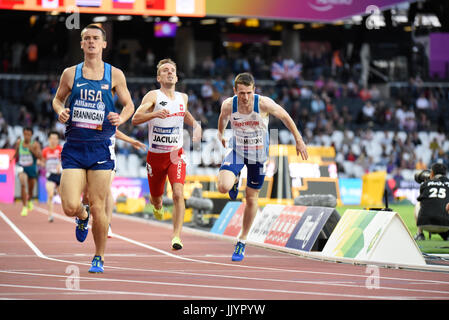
x=165 y=110
x=52 y=156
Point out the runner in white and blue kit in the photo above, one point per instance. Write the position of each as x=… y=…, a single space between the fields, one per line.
x=249 y=145
x=88 y=154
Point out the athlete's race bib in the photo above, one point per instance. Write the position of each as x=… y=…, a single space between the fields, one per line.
x=165 y=138
x=249 y=141
x=88 y=118
x=52 y=165
x=26 y=160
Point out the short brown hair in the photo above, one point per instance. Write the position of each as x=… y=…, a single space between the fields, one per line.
x=245 y=78
x=164 y=61
x=94 y=26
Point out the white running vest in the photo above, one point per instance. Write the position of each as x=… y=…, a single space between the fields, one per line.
x=250 y=132
x=166 y=135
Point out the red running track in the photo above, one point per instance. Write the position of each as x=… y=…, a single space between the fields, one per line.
x=43 y=261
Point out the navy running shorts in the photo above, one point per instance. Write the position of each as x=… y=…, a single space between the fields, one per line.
x=255 y=170
x=88 y=155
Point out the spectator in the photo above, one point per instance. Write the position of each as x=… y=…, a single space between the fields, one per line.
x=434 y=145
x=410 y=120
x=420 y=165
x=368 y=111
x=375 y=93
x=317 y=104
x=350 y=156
x=365 y=94
x=208 y=67
x=400 y=116
x=422 y=103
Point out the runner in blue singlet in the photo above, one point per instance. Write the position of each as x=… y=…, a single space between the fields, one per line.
x=248 y=113
x=88 y=154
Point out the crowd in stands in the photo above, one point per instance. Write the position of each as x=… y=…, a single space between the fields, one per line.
x=325 y=102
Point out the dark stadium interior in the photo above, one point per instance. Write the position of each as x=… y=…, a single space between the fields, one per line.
x=326 y=91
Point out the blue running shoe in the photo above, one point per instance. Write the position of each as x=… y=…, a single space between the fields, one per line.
x=97 y=265
x=234 y=192
x=239 y=252
x=82 y=226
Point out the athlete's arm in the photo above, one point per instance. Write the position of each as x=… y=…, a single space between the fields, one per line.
x=223 y=119
x=16 y=153
x=267 y=105
x=190 y=120
x=36 y=150
x=124 y=97
x=135 y=143
x=64 y=89
x=145 y=112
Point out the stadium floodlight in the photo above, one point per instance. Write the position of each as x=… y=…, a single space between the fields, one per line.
x=426 y=20
x=124 y=18
x=100 y=19
x=208 y=21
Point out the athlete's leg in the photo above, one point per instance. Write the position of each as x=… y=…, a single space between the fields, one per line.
x=255 y=179
x=157 y=175
x=97 y=179
x=23 y=178
x=225 y=181
x=110 y=199
x=31 y=184
x=179 y=208
x=230 y=168
x=50 y=186
x=252 y=196
x=73 y=182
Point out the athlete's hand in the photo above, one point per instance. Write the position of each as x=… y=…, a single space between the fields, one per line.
x=64 y=115
x=138 y=145
x=221 y=139
x=162 y=113
x=301 y=149
x=197 y=131
x=114 y=118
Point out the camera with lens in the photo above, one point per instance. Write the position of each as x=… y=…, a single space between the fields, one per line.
x=422 y=176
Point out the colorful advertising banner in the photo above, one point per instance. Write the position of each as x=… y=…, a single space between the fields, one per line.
x=439 y=60
x=132 y=188
x=129 y=187
x=306 y=10
x=235 y=223
x=350 y=190
x=296 y=227
x=373 y=188
x=308 y=228
x=263 y=222
x=379 y=236
x=356 y=233
x=225 y=216
x=283 y=226
x=7 y=176
x=190 y=8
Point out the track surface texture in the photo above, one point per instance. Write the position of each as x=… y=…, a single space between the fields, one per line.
x=43 y=261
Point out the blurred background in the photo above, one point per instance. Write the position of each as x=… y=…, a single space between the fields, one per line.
x=366 y=82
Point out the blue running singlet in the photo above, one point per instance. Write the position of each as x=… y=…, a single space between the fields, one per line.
x=89 y=133
x=90 y=103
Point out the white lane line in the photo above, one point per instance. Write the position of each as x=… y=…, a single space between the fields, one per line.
x=234 y=288
x=91 y=291
x=201 y=261
x=155 y=223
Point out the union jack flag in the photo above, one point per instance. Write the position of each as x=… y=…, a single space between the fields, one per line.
x=286 y=69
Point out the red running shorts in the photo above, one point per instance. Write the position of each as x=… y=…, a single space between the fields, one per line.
x=161 y=165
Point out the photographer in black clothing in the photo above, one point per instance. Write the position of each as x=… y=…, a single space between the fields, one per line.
x=430 y=211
